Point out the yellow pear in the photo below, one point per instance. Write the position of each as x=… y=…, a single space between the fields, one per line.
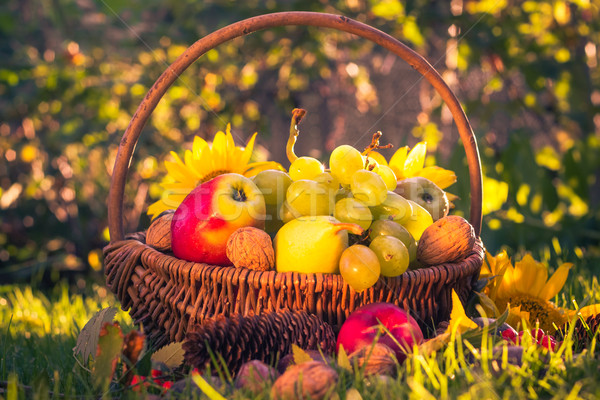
x=312 y=244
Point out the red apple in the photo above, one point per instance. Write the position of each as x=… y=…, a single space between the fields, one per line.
x=210 y=213
x=363 y=325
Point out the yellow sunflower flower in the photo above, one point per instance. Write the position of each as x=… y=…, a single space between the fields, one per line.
x=407 y=164
x=526 y=290
x=204 y=162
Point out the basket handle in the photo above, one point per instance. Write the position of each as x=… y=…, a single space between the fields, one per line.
x=244 y=27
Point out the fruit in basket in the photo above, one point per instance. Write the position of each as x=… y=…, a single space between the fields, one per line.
x=210 y=213
x=449 y=239
x=386 y=227
x=425 y=193
x=344 y=161
x=251 y=248
x=307 y=197
x=368 y=187
x=392 y=254
x=418 y=221
x=312 y=244
x=305 y=168
x=351 y=210
x=359 y=267
x=328 y=180
x=394 y=207
x=273 y=185
x=286 y=213
x=388 y=176
x=159 y=232
x=364 y=324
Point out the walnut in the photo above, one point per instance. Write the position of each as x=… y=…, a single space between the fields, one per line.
x=376 y=360
x=252 y=248
x=254 y=375
x=159 y=232
x=449 y=239
x=309 y=380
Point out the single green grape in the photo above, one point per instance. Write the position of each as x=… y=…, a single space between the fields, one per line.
x=359 y=267
x=305 y=168
x=344 y=161
x=354 y=211
x=273 y=184
x=393 y=207
x=387 y=227
x=370 y=163
x=388 y=176
x=327 y=179
x=286 y=213
x=306 y=197
x=368 y=187
x=392 y=255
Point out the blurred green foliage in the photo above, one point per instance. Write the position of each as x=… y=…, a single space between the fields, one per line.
x=73 y=73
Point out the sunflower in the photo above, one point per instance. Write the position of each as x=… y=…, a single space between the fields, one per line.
x=204 y=162
x=407 y=164
x=526 y=290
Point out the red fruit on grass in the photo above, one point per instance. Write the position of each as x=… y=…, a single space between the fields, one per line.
x=511 y=335
x=538 y=334
x=365 y=323
x=549 y=342
x=210 y=213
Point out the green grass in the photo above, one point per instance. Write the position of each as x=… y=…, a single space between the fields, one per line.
x=39 y=331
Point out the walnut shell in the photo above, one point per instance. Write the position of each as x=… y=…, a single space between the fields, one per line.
x=449 y=239
x=252 y=248
x=376 y=360
x=254 y=375
x=159 y=232
x=309 y=380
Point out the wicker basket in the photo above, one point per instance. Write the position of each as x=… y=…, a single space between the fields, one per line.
x=170 y=296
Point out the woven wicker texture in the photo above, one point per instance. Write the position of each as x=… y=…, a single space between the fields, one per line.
x=169 y=295
x=260 y=337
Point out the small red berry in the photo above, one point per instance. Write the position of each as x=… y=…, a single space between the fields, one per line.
x=510 y=335
x=549 y=342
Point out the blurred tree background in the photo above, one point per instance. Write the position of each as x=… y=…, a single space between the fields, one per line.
x=74 y=71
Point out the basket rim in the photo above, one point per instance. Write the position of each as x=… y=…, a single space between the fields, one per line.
x=290 y=18
x=473 y=260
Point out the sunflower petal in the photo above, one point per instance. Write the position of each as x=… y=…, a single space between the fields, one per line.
x=156 y=208
x=230 y=142
x=530 y=276
x=397 y=162
x=556 y=282
x=589 y=311
x=415 y=159
x=180 y=173
x=199 y=147
x=219 y=151
x=506 y=287
x=438 y=175
x=248 y=150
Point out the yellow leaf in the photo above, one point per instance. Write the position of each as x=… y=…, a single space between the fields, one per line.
x=458 y=318
x=300 y=356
